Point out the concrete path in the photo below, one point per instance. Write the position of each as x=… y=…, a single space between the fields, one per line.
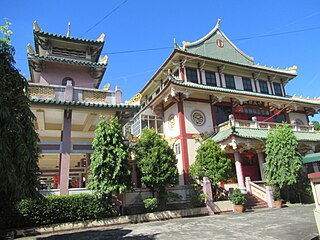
x=293 y=222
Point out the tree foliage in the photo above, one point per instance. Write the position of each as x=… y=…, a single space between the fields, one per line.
x=156 y=162
x=211 y=162
x=283 y=160
x=109 y=170
x=19 y=150
x=316 y=125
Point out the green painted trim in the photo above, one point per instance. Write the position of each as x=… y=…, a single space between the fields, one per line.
x=82 y=104
x=253 y=133
x=67 y=61
x=83 y=40
x=311 y=158
x=242 y=92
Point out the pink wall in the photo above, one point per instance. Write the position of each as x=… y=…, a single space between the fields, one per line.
x=54 y=73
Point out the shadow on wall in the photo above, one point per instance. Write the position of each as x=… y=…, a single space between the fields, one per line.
x=116 y=233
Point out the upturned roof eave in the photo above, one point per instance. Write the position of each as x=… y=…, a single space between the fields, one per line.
x=241 y=92
x=67 y=61
x=65 y=38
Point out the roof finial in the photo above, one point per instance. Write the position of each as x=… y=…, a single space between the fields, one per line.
x=68 y=32
x=36 y=26
x=101 y=38
x=218 y=23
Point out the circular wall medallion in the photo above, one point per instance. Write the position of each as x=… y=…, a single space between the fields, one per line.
x=171 y=121
x=220 y=43
x=198 y=118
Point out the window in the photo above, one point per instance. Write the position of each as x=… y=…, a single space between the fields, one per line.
x=177 y=148
x=247 y=85
x=277 y=89
x=146 y=121
x=230 y=81
x=211 y=78
x=263 y=87
x=192 y=75
x=222 y=113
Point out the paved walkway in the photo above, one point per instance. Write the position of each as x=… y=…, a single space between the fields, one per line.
x=293 y=222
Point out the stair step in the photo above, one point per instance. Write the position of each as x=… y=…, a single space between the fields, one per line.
x=254 y=203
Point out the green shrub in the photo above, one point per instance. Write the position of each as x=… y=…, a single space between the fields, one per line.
x=150 y=203
x=197 y=197
x=237 y=198
x=172 y=197
x=59 y=209
x=276 y=193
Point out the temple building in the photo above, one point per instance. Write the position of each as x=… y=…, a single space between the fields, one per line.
x=65 y=76
x=210 y=88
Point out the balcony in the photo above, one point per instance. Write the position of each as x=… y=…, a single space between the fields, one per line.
x=254 y=124
x=70 y=93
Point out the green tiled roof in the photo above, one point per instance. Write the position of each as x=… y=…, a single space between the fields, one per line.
x=83 y=104
x=254 y=133
x=293 y=73
x=46 y=34
x=310 y=158
x=242 y=92
x=68 y=61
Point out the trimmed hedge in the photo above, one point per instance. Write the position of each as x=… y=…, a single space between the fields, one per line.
x=59 y=209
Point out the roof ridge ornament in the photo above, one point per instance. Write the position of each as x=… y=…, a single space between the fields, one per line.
x=30 y=49
x=104 y=60
x=218 y=23
x=36 y=26
x=101 y=37
x=68 y=32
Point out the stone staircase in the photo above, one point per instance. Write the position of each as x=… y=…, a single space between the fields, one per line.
x=254 y=203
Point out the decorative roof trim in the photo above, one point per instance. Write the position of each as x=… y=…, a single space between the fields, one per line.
x=100 y=41
x=229 y=133
x=82 y=104
x=242 y=92
x=68 y=61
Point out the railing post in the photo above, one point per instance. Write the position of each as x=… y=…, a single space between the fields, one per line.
x=207 y=190
x=254 y=119
x=269 y=196
x=68 y=92
x=248 y=180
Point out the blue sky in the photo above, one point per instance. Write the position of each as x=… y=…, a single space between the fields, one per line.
x=143 y=24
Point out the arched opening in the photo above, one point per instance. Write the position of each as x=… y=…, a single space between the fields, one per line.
x=66 y=80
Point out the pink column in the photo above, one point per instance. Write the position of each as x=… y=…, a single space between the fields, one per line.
x=65 y=155
x=88 y=162
x=237 y=159
x=207 y=190
x=261 y=161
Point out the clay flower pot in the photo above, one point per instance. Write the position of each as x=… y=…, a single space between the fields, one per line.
x=239 y=208
x=278 y=204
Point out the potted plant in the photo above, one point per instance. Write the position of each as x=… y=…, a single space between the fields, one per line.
x=238 y=199
x=277 y=197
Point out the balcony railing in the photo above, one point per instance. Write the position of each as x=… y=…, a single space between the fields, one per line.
x=78 y=94
x=262 y=125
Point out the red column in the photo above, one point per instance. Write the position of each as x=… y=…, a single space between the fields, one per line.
x=182 y=72
x=183 y=141
x=213 y=113
x=65 y=155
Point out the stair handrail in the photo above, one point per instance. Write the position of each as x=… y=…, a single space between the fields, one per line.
x=265 y=194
